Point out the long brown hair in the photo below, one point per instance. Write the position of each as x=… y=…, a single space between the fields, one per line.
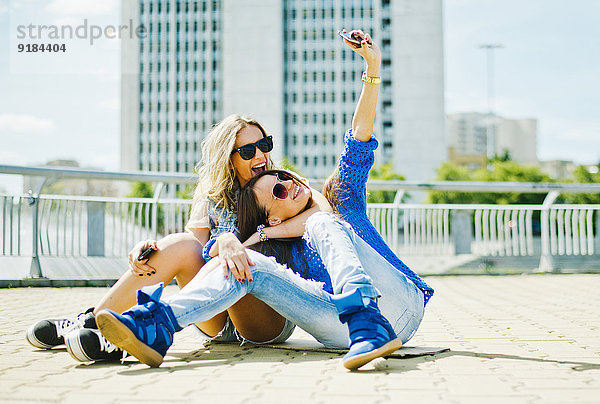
x=332 y=190
x=251 y=214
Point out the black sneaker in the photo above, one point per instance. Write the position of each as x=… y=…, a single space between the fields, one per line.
x=46 y=334
x=89 y=345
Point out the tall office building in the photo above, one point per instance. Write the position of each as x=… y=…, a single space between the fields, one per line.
x=171 y=82
x=283 y=63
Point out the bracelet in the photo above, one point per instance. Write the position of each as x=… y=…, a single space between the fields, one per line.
x=262 y=236
x=370 y=80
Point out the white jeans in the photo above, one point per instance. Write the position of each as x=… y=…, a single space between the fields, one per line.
x=351 y=263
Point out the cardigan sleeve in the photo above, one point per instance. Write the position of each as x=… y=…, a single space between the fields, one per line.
x=354 y=166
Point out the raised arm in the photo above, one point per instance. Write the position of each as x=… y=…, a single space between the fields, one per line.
x=364 y=115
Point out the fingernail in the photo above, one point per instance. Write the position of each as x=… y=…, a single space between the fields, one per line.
x=226 y=276
x=148 y=274
x=153 y=272
x=141 y=275
x=250 y=280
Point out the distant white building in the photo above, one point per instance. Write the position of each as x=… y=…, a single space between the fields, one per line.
x=282 y=62
x=468 y=138
x=558 y=169
x=70 y=186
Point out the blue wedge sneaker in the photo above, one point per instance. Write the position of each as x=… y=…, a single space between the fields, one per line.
x=144 y=331
x=371 y=335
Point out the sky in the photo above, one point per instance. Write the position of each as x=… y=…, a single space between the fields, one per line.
x=66 y=106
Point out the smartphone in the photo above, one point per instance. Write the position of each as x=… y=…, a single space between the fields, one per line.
x=146 y=254
x=353 y=38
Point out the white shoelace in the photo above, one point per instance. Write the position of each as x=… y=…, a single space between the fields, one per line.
x=106 y=345
x=63 y=327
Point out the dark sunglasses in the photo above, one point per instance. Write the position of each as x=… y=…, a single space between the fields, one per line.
x=248 y=151
x=279 y=190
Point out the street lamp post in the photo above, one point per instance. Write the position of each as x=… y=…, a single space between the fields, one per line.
x=490 y=128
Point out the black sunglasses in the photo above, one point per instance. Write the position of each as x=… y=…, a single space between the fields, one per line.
x=248 y=151
x=279 y=190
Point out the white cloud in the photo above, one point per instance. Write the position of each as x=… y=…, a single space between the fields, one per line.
x=22 y=123
x=569 y=139
x=575 y=130
x=11 y=157
x=82 y=7
x=107 y=161
x=471 y=101
x=112 y=104
x=11 y=184
x=70 y=21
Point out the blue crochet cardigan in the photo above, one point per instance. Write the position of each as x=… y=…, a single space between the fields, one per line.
x=354 y=166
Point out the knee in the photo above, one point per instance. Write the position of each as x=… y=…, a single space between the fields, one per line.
x=263 y=263
x=181 y=246
x=261 y=260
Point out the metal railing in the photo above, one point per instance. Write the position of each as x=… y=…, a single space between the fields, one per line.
x=36 y=224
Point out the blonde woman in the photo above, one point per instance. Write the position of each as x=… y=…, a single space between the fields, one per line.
x=234 y=151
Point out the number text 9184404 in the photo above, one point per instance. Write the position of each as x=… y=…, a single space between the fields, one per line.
x=41 y=47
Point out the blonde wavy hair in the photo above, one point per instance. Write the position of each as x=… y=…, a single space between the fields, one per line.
x=217 y=179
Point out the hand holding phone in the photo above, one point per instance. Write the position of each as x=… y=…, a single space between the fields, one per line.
x=354 y=37
x=146 y=253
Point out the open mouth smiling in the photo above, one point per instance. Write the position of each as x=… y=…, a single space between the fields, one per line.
x=259 y=168
x=297 y=190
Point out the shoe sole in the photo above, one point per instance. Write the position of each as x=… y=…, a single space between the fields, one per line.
x=75 y=349
x=120 y=335
x=359 y=360
x=30 y=336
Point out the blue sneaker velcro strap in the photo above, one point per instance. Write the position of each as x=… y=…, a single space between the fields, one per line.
x=368 y=331
x=348 y=303
x=150 y=293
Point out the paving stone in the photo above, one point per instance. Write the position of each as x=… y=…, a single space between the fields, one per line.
x=403 y=395
x=354 y=398
x=508 y=345
x=479 y=385
x=566 y=395
x=490 y=399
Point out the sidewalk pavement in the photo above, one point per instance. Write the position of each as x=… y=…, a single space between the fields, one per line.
x=513 y=339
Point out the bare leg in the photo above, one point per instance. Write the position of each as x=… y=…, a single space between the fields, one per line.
x=255 y=320
x=180 y=257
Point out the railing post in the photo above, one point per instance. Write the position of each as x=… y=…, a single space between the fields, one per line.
x=462 y=231
x=35 y=269
x=597 y=238
x=395 y=217
x=95 y=229
x=159 y=188
x=547 y=263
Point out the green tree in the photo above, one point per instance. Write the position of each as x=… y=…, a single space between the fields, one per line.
x=504 y=157
x=502 y=171
x=141 y=190
x=584 y=175
x=286 y=164
x=186 y=192
x=383 y=172
x=146 y=190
